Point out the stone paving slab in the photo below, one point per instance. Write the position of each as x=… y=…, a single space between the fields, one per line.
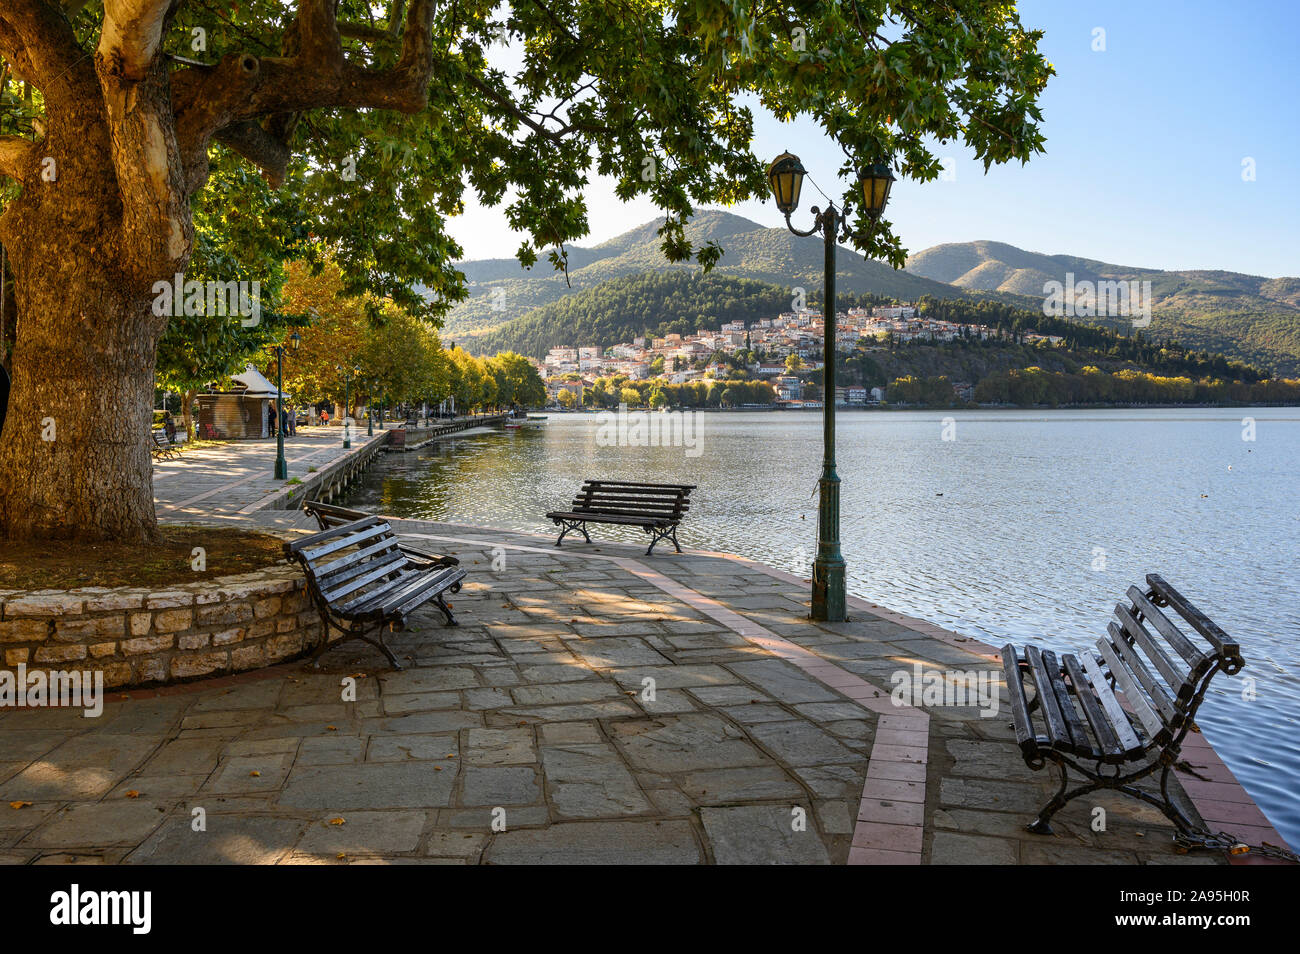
x=579 y=727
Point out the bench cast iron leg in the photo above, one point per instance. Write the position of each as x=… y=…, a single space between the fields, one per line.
x=1042 y=824
x=378 y=642
x=662 y=533
x=579 y=525
x=446 y=610
x=354 y=632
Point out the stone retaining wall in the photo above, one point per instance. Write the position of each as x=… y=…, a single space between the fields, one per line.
x=142 y=636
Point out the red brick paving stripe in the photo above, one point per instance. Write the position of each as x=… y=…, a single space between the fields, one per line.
x=890 y=789
x=900 y=737
x=888 y=837
x=908 y=834
x=891 y=812
x=1231 y=813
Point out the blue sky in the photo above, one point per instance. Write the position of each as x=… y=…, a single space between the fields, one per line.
x=1145 y=148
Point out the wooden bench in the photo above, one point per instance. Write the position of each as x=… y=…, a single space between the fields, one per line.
x=162 y=449
x=656 y=508
x=331 y=515
x=1120 y=714
x=362 y=580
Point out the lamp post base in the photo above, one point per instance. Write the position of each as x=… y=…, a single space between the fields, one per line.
x=828 y=600
x=281 y=469
x=828 y=592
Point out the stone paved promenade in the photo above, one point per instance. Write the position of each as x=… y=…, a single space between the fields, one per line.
x=230 y=480
x=595 y=705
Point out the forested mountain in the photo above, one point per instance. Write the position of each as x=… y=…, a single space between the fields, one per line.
x=655 y=303
x=501 y=290
x=1249 y=317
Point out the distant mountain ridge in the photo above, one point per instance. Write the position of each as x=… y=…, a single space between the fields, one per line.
x=501 y=290
x=1248 y=317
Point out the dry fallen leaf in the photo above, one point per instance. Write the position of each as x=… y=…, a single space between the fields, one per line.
x=255 y=773
x=332 y=728
x=338 y=821
x=19 y=804
x=133 y=794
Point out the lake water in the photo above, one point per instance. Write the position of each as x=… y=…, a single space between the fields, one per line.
x=1023 y=525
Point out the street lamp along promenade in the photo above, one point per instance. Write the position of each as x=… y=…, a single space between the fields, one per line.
x=281 y=465
x=786 y=174
x=347 y=418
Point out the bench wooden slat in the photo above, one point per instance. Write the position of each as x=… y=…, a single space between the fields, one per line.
x=634 y=483
x=1196 y=661
x=1026 y=738
x=1102 y=730
x=415 y=597
x=1111 y=707
x=1082 y=744
x=326 y=571
x=1223 y=644
x=625 y=506
x=610 y=518
x=1176 y=676
x=382 y=599
x=585 y=502
x=1133 y=662
x=295 y=547
x=625 y=512
x=348 y=579
x=1048 y=705
x=606 y=500
x=372 y=573
x=372 y=600
x=330 y=516
x=348 y=535
x=1137 y=702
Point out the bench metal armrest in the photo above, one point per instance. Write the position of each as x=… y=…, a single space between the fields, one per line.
x=432 y=559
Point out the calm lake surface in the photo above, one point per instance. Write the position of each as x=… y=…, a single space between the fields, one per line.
x=1025 y=525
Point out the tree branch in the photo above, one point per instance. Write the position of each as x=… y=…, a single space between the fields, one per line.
x=17 y=157
x=38 y=40
x=264 y=149
x=131 y=36
x=157 y=230
x=359 y=31
x=243 y=88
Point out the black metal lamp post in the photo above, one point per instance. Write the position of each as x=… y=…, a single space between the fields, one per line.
x=281 y=465
x=370 y=410
x=786 y=177
x=347 y=381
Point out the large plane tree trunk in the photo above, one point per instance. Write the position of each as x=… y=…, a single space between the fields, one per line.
x=104 y=214
x=73 y=459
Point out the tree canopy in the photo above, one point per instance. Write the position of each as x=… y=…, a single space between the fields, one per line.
x=372 y=122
